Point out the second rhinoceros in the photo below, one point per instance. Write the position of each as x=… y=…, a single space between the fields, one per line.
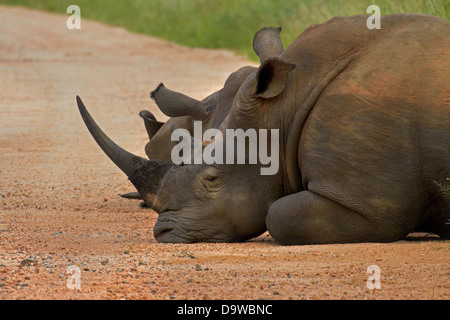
x=211 y=111
x=363 y=118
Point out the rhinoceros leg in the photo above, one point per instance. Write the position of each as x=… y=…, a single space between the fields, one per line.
x=308 y=218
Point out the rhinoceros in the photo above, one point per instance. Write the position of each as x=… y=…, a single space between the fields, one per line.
x=364 y=143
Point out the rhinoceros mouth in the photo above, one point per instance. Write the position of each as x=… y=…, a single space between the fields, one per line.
x=159 y=232
x=163 y=226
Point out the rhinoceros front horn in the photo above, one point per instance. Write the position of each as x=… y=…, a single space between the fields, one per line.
x=144 y=174
x=127 y=162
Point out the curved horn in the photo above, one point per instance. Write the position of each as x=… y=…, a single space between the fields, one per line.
x=174 y=104
x=267 y=43
x=151 y=125
x=127 y=162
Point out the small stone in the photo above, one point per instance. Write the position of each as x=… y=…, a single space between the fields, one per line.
x=198 y=267
x=188 y=254
x=27 y=262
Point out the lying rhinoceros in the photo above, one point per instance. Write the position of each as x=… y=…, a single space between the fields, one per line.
x=364 y=143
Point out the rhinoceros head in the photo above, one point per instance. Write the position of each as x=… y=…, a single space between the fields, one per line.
x=205 y=203
x=208 y=202
x=195 y=202
x=224 y=202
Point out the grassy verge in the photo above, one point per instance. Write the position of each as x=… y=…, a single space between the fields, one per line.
x=227 y=24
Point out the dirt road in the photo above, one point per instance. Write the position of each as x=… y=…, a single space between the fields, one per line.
x=59 y=204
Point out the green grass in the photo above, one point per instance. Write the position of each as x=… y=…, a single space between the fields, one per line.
x=227 y=24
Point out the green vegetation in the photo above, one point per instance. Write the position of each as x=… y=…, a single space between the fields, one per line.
x=227 y=24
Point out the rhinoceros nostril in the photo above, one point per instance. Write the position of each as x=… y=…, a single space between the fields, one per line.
x=158 y=232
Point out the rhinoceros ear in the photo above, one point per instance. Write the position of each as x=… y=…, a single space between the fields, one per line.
x=271 y=78
x=267 y=43
x=174 y=104
x=151 y=124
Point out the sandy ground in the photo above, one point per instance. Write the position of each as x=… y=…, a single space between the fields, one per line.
x=59 y=194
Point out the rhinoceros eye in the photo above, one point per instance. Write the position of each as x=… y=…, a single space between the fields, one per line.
x=210 y=178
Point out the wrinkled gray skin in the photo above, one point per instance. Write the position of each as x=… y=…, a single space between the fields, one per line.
x=364 y=143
